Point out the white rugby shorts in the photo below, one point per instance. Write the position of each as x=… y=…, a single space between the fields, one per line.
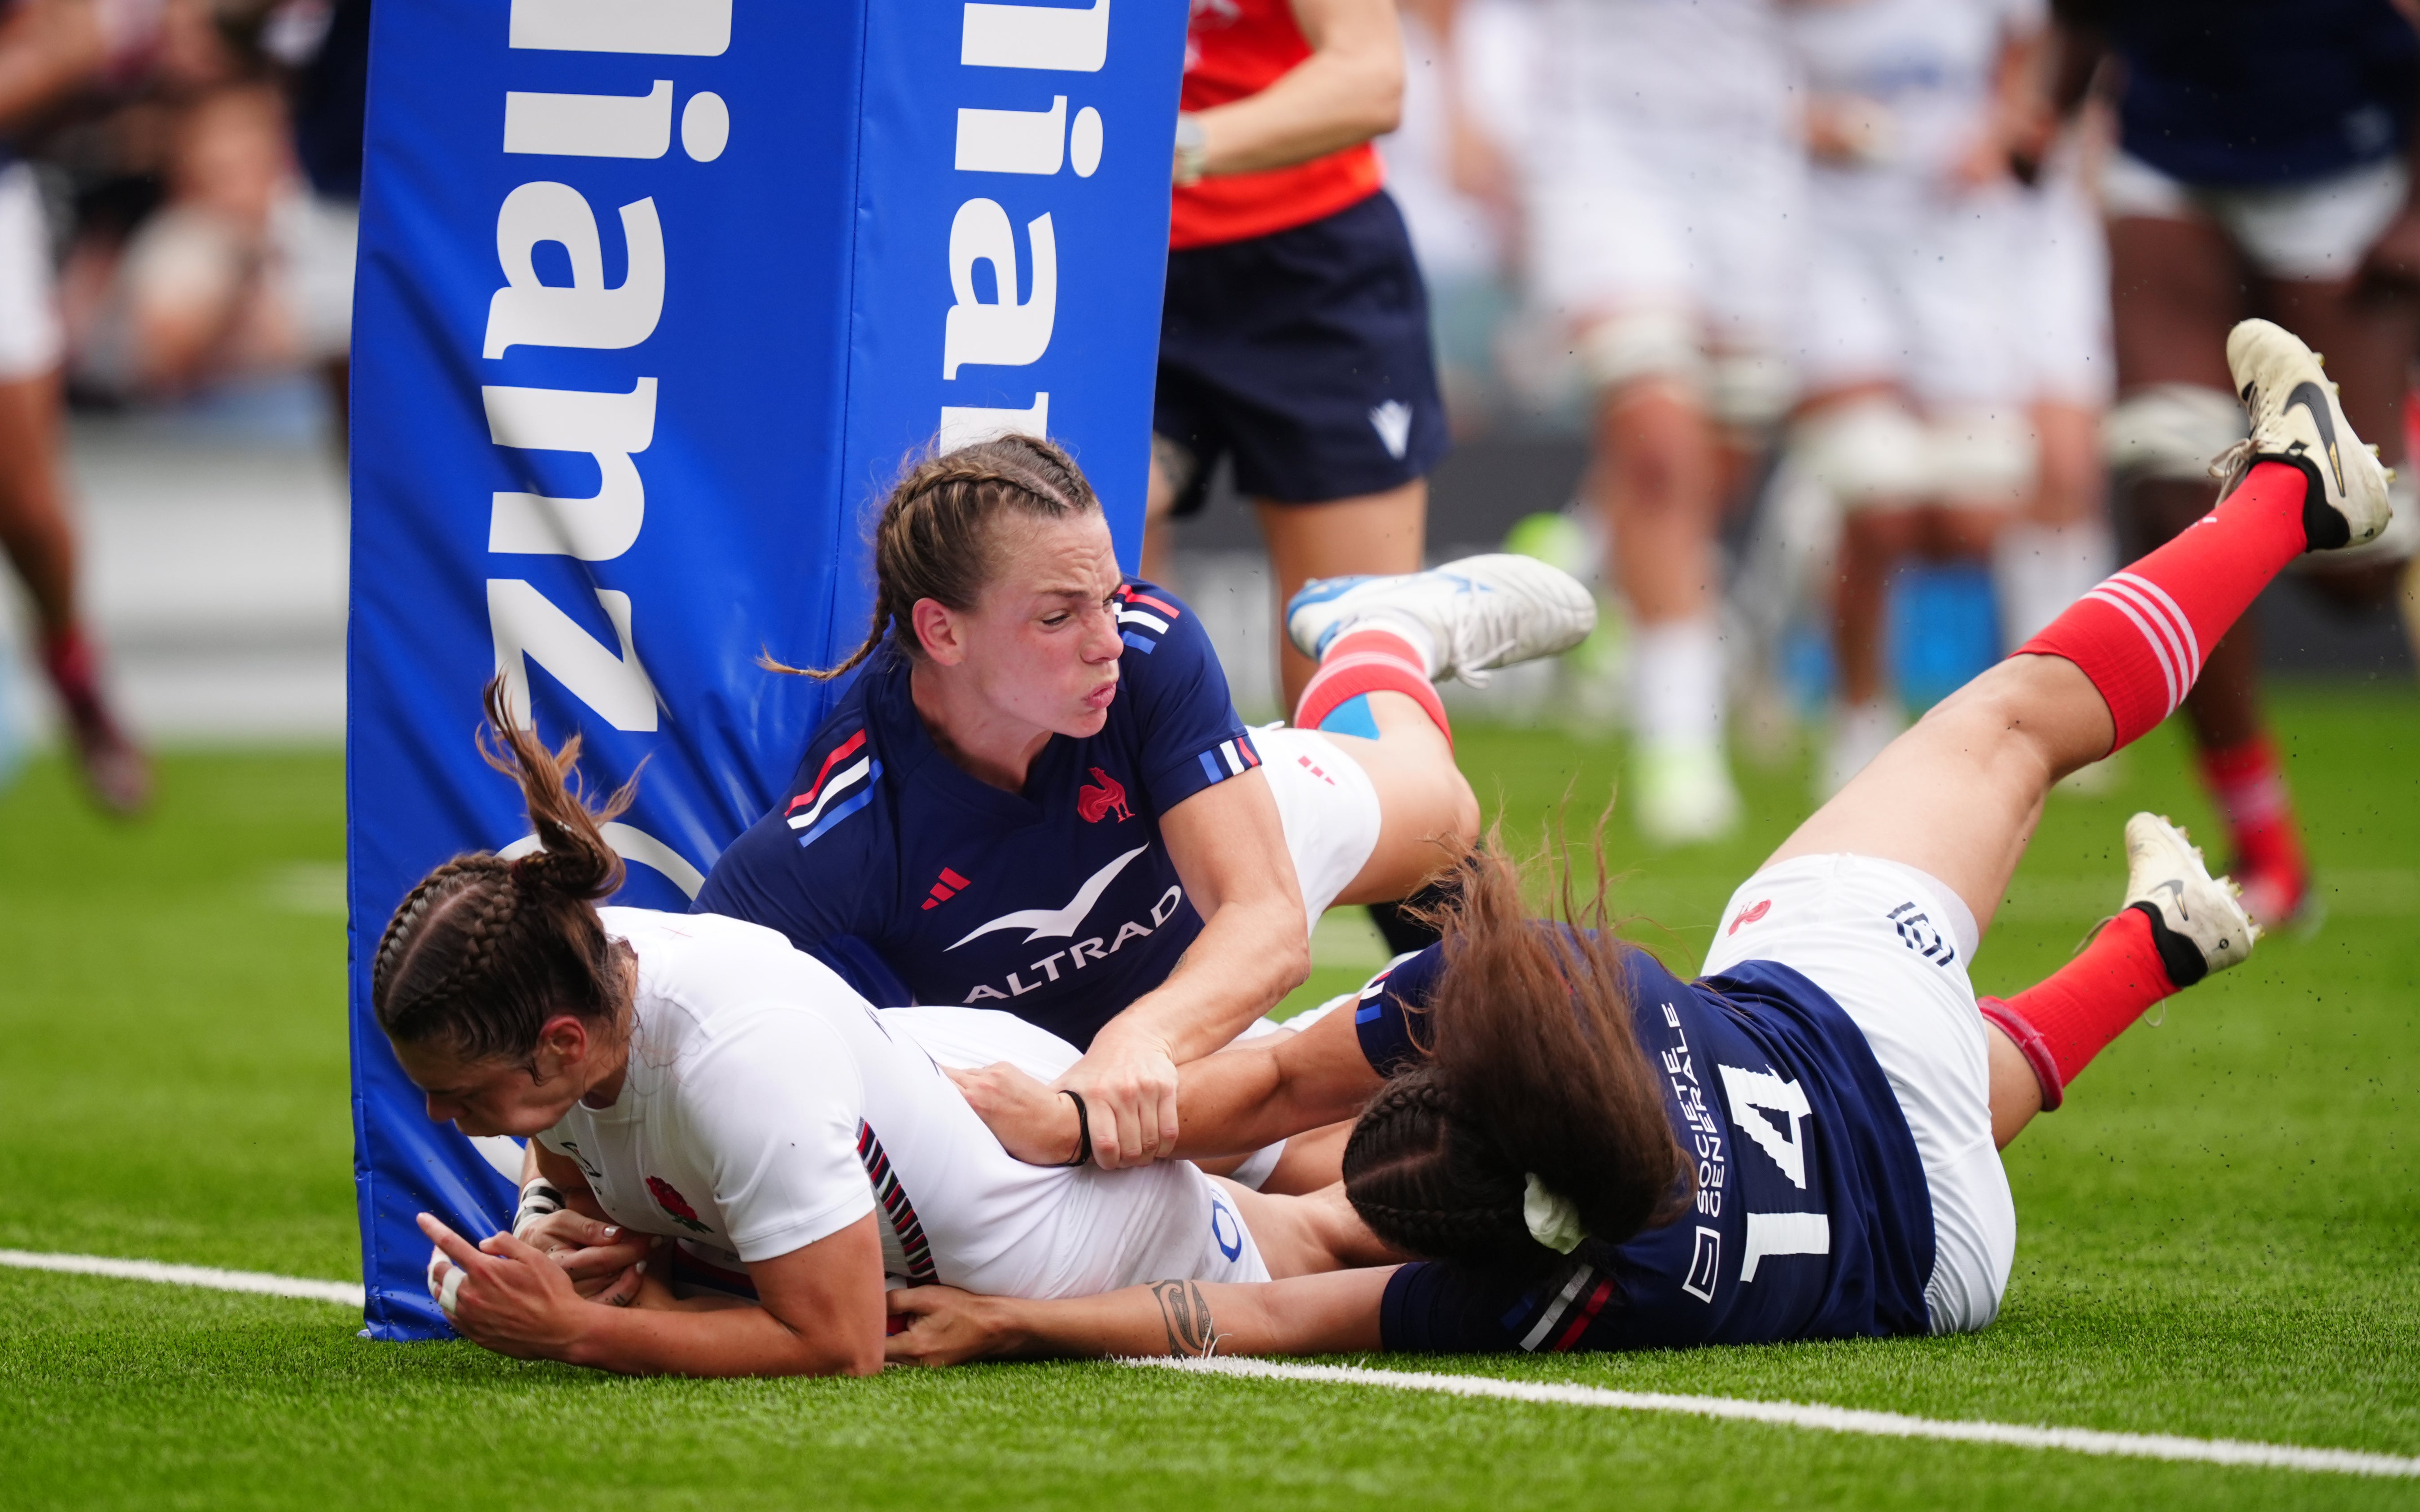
x=1905 y=285
x=1120 y=1228
x=2059 y=278
x=31 y=342
x=2312 y=231
x=1891 y=945
x=1328 y=807
x=1628 y=215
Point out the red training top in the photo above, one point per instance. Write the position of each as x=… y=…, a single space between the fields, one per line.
x=1235 y=49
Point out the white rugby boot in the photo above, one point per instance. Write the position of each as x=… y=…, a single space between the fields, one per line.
x=2296 y=420
x=1480 y=613
x=2197 y=924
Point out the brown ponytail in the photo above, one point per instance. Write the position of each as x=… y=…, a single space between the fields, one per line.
x=935 y=539
x=485 y=950
x=1534 y=1068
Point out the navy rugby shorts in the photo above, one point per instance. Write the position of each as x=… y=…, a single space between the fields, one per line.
x=1305 y=355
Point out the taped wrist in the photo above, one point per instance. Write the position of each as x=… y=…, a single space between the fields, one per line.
x=539 y=1198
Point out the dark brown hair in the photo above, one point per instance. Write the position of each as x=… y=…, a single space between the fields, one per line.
x=486 y=950
x=935 y=539
x=1532 y=1065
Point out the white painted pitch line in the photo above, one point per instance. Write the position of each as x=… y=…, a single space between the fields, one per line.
x=1830 y=1419
x=1784 y=1414
x=344 y=1292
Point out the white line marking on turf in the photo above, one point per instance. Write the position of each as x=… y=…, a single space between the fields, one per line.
x=344 y=1292
x=1830 y=1419
x=1782 y=1414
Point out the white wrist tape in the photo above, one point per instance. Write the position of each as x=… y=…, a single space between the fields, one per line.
x=539 y=1198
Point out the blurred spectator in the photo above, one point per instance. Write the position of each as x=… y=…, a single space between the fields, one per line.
x=214 y=283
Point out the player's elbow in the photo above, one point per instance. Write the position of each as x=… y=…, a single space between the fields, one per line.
x=1380 y=99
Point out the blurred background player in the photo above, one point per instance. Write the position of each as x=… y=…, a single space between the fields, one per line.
x=1662 y=192
x=55 y=55
x=1295 y=334
x=2056 y=308
x=1916 y=393
x=2300 y=210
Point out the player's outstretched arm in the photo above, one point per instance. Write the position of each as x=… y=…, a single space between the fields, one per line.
x=1232 y=1103
x=1229 y=852
x=1331 y=1314
x=821 y=1312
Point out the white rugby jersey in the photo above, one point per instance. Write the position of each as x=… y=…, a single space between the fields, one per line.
x=1702 y=65
x=768 y=1105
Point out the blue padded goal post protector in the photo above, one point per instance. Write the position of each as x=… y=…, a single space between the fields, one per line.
x=655 y=298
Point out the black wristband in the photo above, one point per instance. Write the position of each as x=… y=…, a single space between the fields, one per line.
x=1083 y=1129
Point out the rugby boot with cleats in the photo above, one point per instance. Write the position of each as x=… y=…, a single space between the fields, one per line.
x=2197 y=924
x=1481 y=613
x=2296 y=420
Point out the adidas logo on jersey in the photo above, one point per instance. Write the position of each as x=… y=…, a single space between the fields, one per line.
x=950 y=886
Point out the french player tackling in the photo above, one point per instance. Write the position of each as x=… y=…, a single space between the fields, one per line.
x=1589 y=1153
x=1036 y=796
x=695 y=1079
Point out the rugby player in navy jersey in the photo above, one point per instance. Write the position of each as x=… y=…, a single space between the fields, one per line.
x=1037 y=796
x=2307 y=211
x=1587 y=1152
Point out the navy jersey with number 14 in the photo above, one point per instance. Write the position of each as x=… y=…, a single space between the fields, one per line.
x=1812 y=1217
x=914 y=879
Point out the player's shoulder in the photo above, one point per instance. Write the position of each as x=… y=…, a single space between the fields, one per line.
x=1151 y=617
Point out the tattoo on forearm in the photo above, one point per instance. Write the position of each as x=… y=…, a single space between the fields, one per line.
x=1186 y=1313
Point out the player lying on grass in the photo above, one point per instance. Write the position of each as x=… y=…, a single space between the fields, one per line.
x=1801 y=1145
x=1036 y=795
x=696 y=1079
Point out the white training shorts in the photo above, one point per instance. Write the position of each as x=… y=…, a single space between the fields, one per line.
x=1905 y=285
x=1891 y=945
x=2312 y=231
x=1628 y=215
x=1328 y=807
x=31 y=343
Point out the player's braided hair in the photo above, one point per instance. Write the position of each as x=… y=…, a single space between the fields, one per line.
x=485 y=950
x=936 y=538
x=1533 y=1067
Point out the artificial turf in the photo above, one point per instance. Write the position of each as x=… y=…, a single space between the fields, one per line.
x=2217 y=1236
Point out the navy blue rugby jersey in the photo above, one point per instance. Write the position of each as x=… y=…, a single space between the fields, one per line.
x=1812 y=1218
x=2262 y=92
x=916 y=882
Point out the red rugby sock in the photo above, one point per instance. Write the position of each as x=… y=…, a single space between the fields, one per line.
x=2142 y=634
x=2065 y=1020
x=2250 y=785
x=1370 y=660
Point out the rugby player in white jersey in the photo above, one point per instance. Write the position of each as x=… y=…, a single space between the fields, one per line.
x=1663 y=188
x=1916 y=390
x=695 y=1079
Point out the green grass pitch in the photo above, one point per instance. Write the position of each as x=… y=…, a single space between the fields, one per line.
x=2218 y=1232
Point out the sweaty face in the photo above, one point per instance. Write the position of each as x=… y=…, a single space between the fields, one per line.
x=488 y=1097
x=1042 y=643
